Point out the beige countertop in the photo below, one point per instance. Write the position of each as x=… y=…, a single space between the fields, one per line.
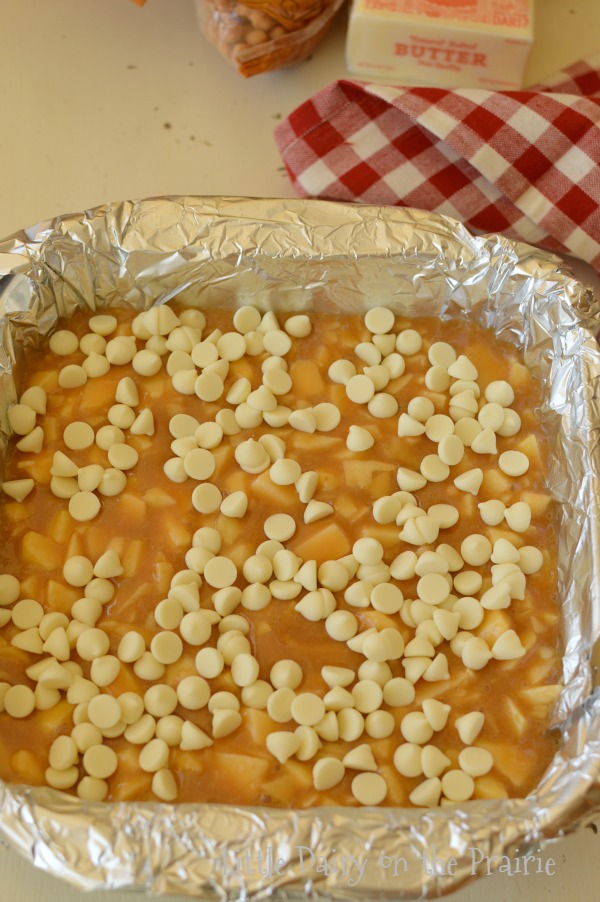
x=102 y=101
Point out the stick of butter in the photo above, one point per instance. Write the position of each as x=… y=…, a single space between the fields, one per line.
x=450 y=43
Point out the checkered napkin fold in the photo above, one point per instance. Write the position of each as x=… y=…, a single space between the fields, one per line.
x=523 y=163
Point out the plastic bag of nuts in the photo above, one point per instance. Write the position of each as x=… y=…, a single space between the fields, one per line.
x=262 y=35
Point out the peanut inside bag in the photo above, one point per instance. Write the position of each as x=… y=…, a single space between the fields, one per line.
x=264 y=35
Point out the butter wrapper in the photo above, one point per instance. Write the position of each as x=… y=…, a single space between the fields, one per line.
x=449 y=43
x=301 y=255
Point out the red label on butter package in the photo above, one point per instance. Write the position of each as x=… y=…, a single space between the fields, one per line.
x=511 y=13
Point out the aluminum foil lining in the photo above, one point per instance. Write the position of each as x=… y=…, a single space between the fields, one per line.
x=299 y=255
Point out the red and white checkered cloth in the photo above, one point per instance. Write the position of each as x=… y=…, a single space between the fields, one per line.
x=523 y=163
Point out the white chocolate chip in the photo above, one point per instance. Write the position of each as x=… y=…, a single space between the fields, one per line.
x=206 y=498
x=484 y=442
x=327 y=773
x=317 y=510
x=470 y=612
x=72 y=376
x=438 y=426
x=113 y=482
x=513 y=463
x=369 y=789
x=447 y=622
x=105 y=670
x=451 y=450
x=500 y=392
x=360 y=389
x=475 y=761
x=492 y=512
x=78 y=436
x=63 y=487
x=337 y=676
x=511 y=424
x=107 y=436
x=407 y=759
x=437 y=670
x=63 y=342
x=33 y=441
x=463 y=368
x=457 y=786
x=408 y=342
x=78 y=570
x=466 y=429
x=410 y=481
x=251 y=456
x=341 y=371
x=433 y=588
x=306 y=486
x=19 y=701
x=350 y=725
x=84 y=506
x=146 y=362
x=341 y=625
x=416 y=728
x=379 y=376
x=436 y=713
x=96 y=365
x=531 y=559
x=468 y=582
x=476 y=550
x=280 y=527
x=298 y=326
x=379 y=320
x=285 y=472
x=420 y=408
x=279 y=704
x=475 y=653
x=518 y=516
x=120 y=350
x=307 y=708
x=103 y=323
x=104 y=711
x=18 y=489
x=303 y=420
x=437 y=379
x=470 y=481
x=507 y=647
x=441 y=354
x=434 y=469
x=208 y=386
x=434 y=761
x=327 y=416
x=360 y=758
x=283 y=744
x=491 y=416
x=91 y=343
x=387 y=598
x=409 y=426
x=246 y=319
x=121 y=415
x=100 y=761
x=427 y=794
x=367 y=695
x=469 y=726
x=383 y=405
x=199 y=464
x=367 y=551
x=368 y=352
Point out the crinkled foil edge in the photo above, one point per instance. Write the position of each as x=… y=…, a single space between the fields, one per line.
x=294 y=254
